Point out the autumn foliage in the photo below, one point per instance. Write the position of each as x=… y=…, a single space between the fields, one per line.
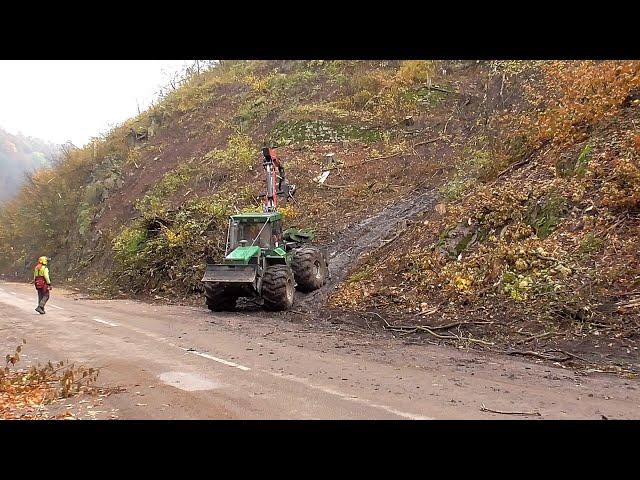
x=25 y=393
x=576 y=95
x=547 y=226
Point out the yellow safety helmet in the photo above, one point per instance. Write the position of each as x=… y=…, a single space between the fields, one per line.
x=43 y=260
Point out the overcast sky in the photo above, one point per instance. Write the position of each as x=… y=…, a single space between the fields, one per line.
x=60 y=100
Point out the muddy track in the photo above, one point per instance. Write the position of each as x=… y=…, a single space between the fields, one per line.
x=365 y=236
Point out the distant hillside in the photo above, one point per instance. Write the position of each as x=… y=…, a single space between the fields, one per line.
x=20 y=155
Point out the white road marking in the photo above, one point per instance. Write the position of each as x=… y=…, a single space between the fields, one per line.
x=189 y=382
x=216 y=359
x=289 y=377
x=55 y=306
x=95 y=319
x=26 y=306
x=18 y=301
x=161 y=339
x=351 y=398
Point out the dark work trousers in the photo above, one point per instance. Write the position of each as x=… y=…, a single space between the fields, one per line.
x=43 y=297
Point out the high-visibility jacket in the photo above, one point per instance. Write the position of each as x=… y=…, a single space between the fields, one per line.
x=42 y=271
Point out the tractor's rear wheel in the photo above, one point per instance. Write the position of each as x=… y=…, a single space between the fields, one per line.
x=309 y=268
x=218 y=297
x=277 y=287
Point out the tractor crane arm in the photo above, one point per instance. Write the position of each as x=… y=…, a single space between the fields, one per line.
x=276 y=180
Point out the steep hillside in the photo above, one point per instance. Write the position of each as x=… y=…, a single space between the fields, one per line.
x=20 y=156
x=497 y=198
x=535 y=239
x=142 y=207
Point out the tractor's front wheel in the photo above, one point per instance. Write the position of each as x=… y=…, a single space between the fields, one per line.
x=277 y=287
x=310 y=268
x=218 y=298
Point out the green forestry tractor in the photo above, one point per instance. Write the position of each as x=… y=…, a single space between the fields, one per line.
x=262 y=260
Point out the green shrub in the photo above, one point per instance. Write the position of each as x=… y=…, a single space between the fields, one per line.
x=546 y=214
x=363 y=274
x=415 y=71
x=173 y=257
x=590 y=244
x=155 y=200
x=85 y=215
x=128 y=243
x=240 y=152
x=583 y=160
x=456 y=188
x=516 y=286
x=287 y=133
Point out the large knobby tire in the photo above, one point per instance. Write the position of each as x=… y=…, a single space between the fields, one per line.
x=309 y=268
x=218 y=297
x=277 y=287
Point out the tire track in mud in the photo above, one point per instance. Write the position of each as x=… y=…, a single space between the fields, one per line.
x=365 y=236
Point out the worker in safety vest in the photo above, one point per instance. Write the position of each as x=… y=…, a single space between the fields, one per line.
x=42 y=282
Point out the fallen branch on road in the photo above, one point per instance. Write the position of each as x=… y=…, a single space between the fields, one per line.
x=530 y=353
x=569 y=354
x=502 y=412
x=544 y=355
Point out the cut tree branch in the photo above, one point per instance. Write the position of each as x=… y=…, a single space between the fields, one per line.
x=502 y=412
x=534 y=337
x=421 y=328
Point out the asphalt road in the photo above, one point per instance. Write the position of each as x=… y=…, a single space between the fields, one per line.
x=177 y=362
